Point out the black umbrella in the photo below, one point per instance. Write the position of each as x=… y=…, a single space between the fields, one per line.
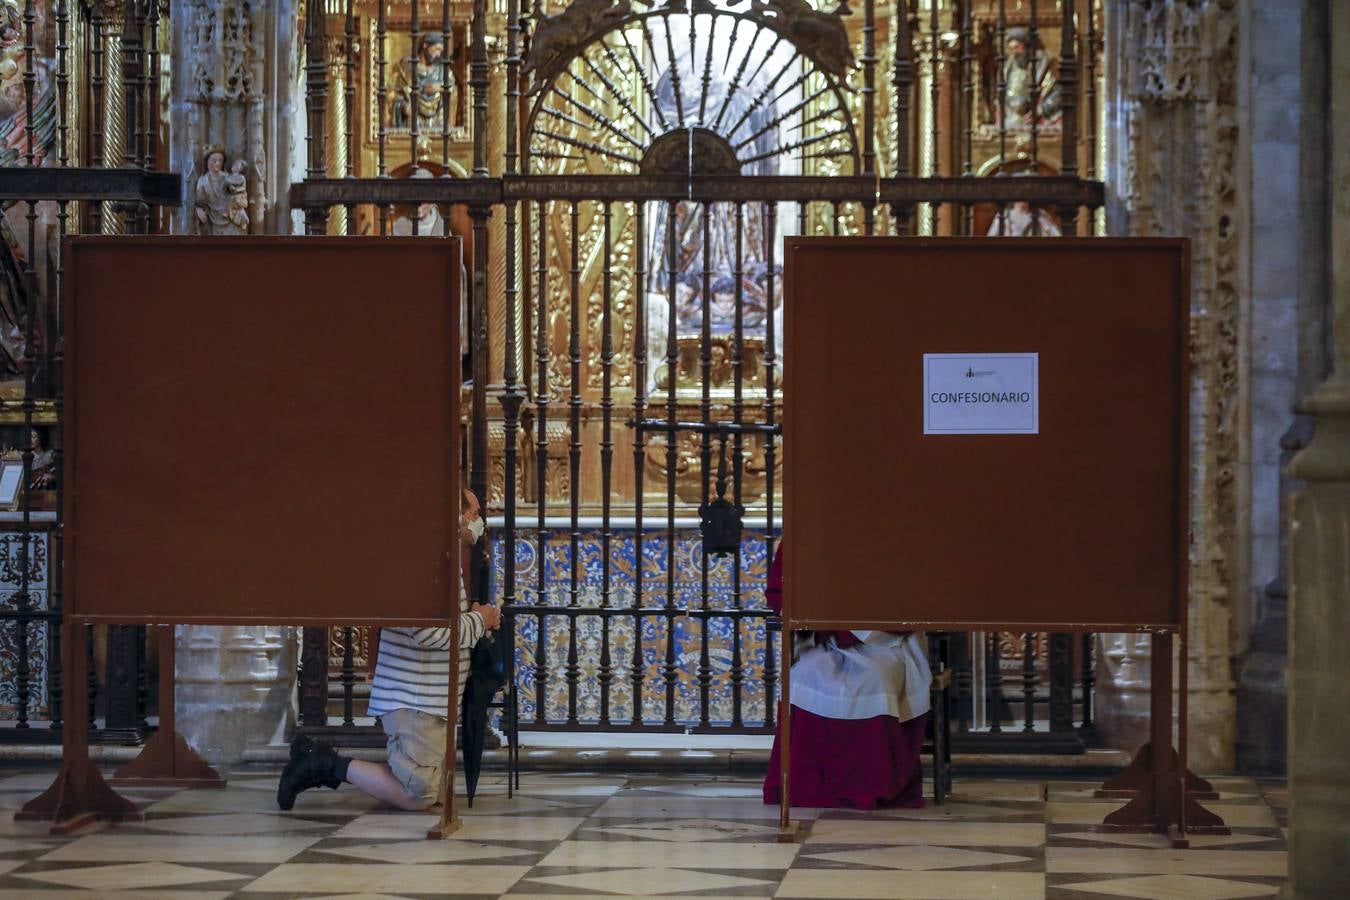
x=486 y=677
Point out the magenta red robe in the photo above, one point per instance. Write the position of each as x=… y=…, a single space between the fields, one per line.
x=850 y=763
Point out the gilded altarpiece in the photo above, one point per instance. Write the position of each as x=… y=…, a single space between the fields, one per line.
x=607 y=111
x=398 y=106
x=45 y=75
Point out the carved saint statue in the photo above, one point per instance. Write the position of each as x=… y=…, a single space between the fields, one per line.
x=236 y=187
x=1028 y=84
x=221 y=199
x=24 y=129
x=11 y=58
x=422 y=92
x=42 y=473
x=1020 y=220
x=428 y=222
x=13 y=304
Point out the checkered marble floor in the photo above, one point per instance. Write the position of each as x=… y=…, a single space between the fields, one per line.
x=611 y=835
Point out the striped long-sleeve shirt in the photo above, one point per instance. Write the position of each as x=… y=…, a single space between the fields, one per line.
x=413 y=668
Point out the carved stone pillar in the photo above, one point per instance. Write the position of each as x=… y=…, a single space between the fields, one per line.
x=236 y=71
x=1319 y=537
x=1172 y=116
x=236 y=74
x=236 y=688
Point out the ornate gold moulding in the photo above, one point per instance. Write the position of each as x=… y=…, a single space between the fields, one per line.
x=721 y=396
x=12 y=411
x=689 y=467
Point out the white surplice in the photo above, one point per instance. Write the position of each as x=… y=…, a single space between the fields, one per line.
x=885 y=675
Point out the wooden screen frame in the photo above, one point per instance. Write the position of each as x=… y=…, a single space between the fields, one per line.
x=808 y=535
x=85 y=604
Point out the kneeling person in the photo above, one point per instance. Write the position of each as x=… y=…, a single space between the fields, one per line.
x=858 y=702
x=409 y=698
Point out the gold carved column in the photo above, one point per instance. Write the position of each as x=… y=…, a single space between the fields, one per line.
x=337 y=121
x=496 y=278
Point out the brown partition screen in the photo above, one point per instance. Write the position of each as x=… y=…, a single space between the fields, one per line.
x=262 y=430
x=901 y=508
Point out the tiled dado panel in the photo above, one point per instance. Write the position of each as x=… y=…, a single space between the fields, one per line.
x=10 y=583
x=656 y=587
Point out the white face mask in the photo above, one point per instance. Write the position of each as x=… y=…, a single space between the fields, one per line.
x=476 y=528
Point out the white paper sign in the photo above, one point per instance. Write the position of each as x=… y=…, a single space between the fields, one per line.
x=981 y=393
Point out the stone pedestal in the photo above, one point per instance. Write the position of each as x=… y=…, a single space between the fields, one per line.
x=1122 y=689
x=1319 y=603
x=236 y=688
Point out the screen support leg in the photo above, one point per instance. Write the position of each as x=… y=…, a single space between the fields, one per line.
x=449 y=822
x=1163 y=801
x=78 y=795
x=788 y=831
x=167 y=760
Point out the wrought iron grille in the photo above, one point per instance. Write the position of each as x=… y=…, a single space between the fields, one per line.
x=81 y=151
x=621 y=174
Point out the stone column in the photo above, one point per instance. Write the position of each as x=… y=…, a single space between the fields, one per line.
x=236 y=69
x=236 y=86
x=1271 y=369
x=1171 y=109
x=1319 y=540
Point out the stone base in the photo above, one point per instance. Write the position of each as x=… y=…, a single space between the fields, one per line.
x=1262 y=706
x=235 y=688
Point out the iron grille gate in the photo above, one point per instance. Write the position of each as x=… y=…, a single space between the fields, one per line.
x=80 y=152
x=651 y=158
x=622 y=175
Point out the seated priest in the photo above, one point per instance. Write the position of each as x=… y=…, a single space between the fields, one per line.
x=858 y=705
x=409 y=698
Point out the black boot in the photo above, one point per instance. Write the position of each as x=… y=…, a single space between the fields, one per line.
x=304 y=744
x=312 y=764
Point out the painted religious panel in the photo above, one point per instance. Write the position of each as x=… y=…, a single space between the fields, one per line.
x=26 y=138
